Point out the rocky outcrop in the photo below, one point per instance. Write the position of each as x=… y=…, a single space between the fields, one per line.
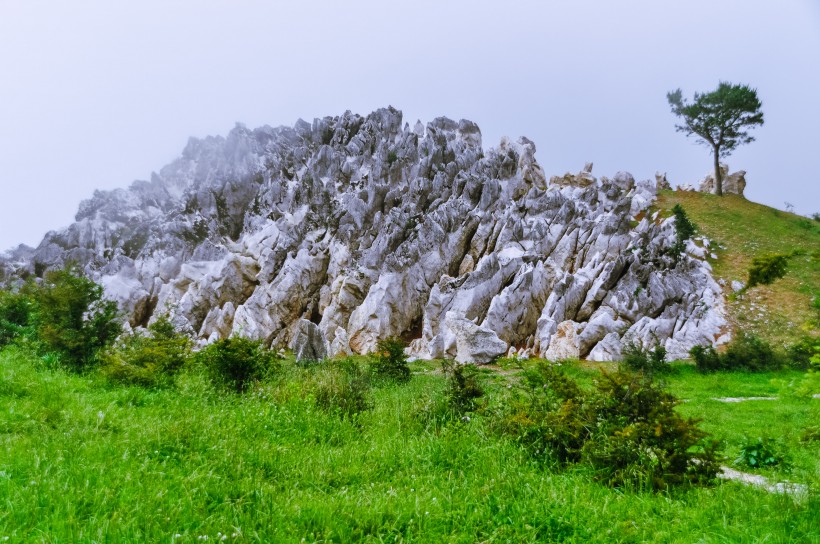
x=308 y=343
x=734 y=183
x=360 y=228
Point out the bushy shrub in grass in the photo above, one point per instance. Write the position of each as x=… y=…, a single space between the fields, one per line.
x=638 y=439
x=463 y=387
x=72 y=318
x=626 y=429
x=749 y=352
x=766 y=269
x=237 y=362
x=343 y=387
x=389 y=362
x=550 y=421
x=149 y=359
x=706 y=359
x=640 y=359
x=799 y=355
x=746 y=352
x=16 y=309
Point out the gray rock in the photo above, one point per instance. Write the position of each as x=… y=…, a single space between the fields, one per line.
x=308 y=343
x=474 y=344
x=349 y=229
x=734 y=183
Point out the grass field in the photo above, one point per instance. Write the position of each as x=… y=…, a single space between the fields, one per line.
x=788 y=308
x=85 y=461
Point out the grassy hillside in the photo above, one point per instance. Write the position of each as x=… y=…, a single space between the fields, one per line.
x=85 y=461
x=788 y=308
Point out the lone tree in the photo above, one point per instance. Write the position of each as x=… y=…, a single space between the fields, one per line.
x=720 y=118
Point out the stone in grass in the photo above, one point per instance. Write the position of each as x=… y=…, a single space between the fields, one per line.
x=308 y=343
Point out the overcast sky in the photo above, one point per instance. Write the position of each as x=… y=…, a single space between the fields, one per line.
x=95 y=94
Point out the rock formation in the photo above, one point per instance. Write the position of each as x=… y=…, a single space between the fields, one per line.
x=734 y=183
x=366 y=228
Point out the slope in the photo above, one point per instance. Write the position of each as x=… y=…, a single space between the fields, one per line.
x=741 y=230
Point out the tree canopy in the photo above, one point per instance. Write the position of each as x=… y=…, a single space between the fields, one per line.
x=720 y=118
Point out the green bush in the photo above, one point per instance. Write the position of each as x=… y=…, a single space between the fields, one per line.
x=747 y=352
x=149 y=360
x=639 y=359
x=343 y=387
x=639 y=439
x=800 y=353
x=463 y=388
x=72 y=318
x=551 y=420
x=389 y=362
x=626 y=430
x=765 y=270
x=16 y=318
x=706 y=359
x=237 y=362
x=684 y=229
x=761 y=452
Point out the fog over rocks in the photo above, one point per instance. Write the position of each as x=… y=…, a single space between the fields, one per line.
x=369 y=228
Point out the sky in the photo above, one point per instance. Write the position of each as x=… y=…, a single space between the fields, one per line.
x=95 y=94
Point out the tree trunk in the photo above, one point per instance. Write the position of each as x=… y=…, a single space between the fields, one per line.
x=718 y=177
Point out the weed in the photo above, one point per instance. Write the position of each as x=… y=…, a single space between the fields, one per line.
x=761 y=452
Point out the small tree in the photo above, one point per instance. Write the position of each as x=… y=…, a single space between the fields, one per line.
x=72 y=318
x=684 y=229
x=720 y=118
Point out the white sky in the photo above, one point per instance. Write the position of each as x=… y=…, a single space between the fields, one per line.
x=95 y=93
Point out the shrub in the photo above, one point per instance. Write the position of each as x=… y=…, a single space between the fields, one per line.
x=749 y=352
x=72 y=318
x=463 y=387
x=237 y=362
x=638 y=359
x=551 y=422
x=761 y=452
x=15 y=316
x=149 y=360
x=800 y=353
x=684 y=229
x=389 y=362
x=343 y=387
x=765 y=270
x=640 y=440
x=626 y=430
x=706 y=359
x=746 y=352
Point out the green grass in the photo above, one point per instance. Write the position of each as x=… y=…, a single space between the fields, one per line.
x=790 y=307
x=84 y=461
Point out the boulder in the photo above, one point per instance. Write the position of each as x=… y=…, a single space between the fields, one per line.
x=564 y=343
x=734 y=183
x=474 y=344
x=308 y=343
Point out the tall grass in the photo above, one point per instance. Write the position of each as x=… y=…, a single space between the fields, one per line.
x=82 y=460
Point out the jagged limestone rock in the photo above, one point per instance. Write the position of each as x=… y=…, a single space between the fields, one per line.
x=474 y=343
x=366 y=228
x=308 y=343
x=734 y=183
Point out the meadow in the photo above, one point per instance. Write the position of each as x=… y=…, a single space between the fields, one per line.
x=85 y=460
